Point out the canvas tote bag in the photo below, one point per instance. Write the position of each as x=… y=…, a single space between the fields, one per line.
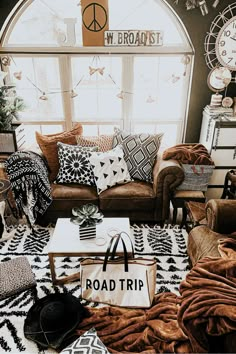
x=120 y=281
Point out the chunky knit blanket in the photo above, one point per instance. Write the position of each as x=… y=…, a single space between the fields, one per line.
x=28 y=175
x=205 y=309
x=195 y=154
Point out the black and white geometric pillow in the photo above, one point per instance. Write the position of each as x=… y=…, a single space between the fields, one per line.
x=109 y=168
x=88 y=343
x=74 y=164
x=140 y=152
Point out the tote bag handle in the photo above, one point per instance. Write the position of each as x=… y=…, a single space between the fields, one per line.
x=108 y=251
x=116 y=244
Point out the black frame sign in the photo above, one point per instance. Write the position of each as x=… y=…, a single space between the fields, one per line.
x=133 y=38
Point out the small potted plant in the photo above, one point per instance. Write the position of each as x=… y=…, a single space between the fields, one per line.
x=87 y=217
x=10 y=105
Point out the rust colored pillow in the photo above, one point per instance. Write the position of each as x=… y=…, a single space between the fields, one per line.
x=48 y=145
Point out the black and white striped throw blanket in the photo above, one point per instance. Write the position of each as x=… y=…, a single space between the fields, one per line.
x=28 y=174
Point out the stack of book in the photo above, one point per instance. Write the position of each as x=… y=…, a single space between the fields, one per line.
x=219 y=110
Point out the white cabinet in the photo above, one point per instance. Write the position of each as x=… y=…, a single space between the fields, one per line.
x=218 y=135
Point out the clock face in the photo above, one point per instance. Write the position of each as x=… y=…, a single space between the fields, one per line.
x=219 y=78
x=226 y=44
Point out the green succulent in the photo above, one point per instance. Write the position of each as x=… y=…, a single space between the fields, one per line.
x=86 y=215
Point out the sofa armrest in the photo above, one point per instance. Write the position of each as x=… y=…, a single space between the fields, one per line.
x=167 y=175
x=220 y=215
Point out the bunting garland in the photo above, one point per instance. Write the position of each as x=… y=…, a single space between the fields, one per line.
x=95 y=68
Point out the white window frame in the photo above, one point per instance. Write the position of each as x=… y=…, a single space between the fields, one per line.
x=127 y=53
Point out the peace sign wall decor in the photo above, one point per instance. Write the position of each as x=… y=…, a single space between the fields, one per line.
x=95 y=21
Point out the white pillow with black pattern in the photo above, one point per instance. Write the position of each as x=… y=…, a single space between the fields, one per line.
x=74 y=164
x=109 y=168
x=88 y=343
x=140 y=152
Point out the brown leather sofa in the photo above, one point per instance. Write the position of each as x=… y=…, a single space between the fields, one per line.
x=138 y=200
x=202 y=242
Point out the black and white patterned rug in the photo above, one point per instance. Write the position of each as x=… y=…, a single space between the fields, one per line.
x=167 y=245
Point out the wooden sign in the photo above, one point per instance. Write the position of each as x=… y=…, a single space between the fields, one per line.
x=132 y=38
x=95 y=21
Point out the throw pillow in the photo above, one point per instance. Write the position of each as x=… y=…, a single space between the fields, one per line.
x=140 y=152
x=103 y=142
x=74 y=163
x=88 y=343
x=109 y=168
x=48 y=145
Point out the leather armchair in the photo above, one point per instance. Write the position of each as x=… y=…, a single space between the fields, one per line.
x=202 y=242
x=221 y=222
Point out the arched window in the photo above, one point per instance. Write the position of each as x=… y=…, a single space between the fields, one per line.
x=137 y=88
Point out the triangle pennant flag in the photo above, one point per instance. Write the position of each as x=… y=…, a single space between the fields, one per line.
x=111 y=161
x=115 y=173
x=102 y=164
x=105 y=175
x=122 y=170
x=119 y=158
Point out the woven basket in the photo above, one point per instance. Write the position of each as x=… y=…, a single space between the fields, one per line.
x=196 y=178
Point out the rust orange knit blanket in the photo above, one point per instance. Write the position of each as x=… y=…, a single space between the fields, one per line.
x=174 y=324
x=208 y=301
x=189 y=154
x=153 y=330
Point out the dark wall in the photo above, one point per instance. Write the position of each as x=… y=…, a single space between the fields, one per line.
x=197 y=27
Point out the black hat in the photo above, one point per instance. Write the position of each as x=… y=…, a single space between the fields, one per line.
x=52 y=318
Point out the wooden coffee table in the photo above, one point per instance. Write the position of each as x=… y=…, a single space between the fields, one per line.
x=66 y=242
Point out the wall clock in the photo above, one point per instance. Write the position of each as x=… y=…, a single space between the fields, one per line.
x=219 y=45
x=226 y=44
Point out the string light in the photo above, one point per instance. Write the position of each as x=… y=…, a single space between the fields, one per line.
x=120 y=95
x=92 y=69
x=43 y=97
x=73 y=94
x=18 y=75
x=185 y=60
x=150 y=99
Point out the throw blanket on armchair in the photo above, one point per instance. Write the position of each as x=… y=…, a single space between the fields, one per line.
x=195 y=154
x=28 y=175
x=208 y=301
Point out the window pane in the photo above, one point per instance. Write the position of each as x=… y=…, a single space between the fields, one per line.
x=39 y=75
x=30 y=131
x=145 y=15
x=91 y=130
x=97 y=81
x=42 y=23
x=158 y=88
x=170 y=132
